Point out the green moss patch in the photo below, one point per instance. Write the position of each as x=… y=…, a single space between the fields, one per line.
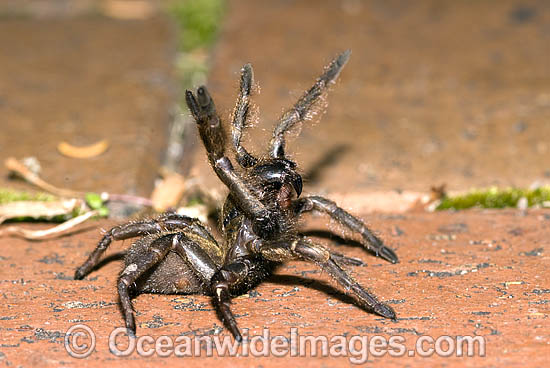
x=198 y=21
x=497 y=198
x=10 y=195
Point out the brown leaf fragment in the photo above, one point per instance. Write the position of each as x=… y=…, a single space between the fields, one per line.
x=89 y=151
x=169 y=191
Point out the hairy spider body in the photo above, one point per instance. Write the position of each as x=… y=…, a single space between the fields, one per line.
x=177 y=254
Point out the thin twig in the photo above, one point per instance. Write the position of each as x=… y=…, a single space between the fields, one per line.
x=20 y=169
x=17 y=167
x=43 y=234
x=127 y=198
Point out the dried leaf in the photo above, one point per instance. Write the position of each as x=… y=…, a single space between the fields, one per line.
x=35 y=209
x=92 y=150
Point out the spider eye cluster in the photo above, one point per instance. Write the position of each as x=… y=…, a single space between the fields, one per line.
x=275 y=173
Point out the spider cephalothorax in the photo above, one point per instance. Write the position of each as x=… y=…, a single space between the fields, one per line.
x=177 y=254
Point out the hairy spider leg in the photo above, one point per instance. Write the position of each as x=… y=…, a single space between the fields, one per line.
x=158 y=248
x=166 y=222
x=203 y=265
x=211 y=133
x=299 y=112
x=240 y=118
x=209 y=124
x=305 y=249
x=229 y=275
x=238 y=276
x=370 y=241
x=349 y=261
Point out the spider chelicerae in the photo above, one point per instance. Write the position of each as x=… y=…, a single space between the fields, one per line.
x=177 y=254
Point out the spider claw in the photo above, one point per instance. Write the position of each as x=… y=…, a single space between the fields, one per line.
x=79 y=274
x=192 y=104
x=388 y=254
x=203 y=97
x=297 y=184
x=385 y=311
x=131 y=333
x=335 y=67
x=238 y=336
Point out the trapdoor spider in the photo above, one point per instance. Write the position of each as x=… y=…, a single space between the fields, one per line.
x=177 y=254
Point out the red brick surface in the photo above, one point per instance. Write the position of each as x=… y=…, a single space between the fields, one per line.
x=82 y=80
x=471 y=273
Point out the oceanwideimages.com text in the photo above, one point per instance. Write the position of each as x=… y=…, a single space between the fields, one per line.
x=80 y=342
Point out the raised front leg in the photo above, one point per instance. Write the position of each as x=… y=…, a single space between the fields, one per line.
x=304 y=108
x=370 y=241
x=208 y=121
x=240 y=117
x=211 y=133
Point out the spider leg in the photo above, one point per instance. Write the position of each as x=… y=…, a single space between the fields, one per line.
x=370 y=241
x=168 y=221
x=240 y=115
x=173 y=221
x=350 y=261
x=303 y=107
x=120 y=232
x=157 y=250
x=308 y=251
x=203 y=265
x=211 y=132
x=226 y=278
x=210 y=128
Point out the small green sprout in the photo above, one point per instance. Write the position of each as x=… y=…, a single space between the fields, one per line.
x=95 y=202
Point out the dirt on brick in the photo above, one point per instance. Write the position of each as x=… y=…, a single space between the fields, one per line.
x=476 y=273
x=82 y=80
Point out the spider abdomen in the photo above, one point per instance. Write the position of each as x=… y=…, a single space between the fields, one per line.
x=172 y=275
